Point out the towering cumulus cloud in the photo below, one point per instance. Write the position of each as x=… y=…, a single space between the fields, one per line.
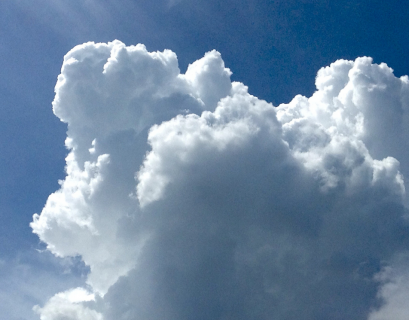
x=189 y=198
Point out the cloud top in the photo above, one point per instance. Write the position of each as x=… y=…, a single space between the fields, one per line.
x=189 y=198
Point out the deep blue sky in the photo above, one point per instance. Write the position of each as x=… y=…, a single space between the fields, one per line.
x=274 y=47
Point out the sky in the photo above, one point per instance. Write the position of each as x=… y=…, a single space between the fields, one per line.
x=186 y=159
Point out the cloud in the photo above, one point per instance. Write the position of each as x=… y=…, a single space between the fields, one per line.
x=394 y=291
x=67 y=305
x=31 y=278
x=189 y=198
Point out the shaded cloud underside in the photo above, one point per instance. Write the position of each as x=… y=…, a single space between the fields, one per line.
x=189 y=198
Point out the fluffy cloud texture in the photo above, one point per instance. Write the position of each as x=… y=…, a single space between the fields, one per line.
x=189 y=198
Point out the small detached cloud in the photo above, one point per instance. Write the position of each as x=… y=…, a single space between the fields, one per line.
x=189 y=198
x=68 y=305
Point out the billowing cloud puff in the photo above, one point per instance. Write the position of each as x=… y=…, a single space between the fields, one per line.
x=69 y=306
x=189 y=198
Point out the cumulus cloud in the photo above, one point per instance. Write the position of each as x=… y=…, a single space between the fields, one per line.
x=394 y=291
x=68 y=306
x=189 y=198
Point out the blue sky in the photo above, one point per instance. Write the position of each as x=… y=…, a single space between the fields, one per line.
x=273 y=47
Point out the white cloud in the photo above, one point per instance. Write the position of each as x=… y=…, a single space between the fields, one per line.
x=189 y=198
x=32 y=278
x=67 y=306
x=394 y=292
